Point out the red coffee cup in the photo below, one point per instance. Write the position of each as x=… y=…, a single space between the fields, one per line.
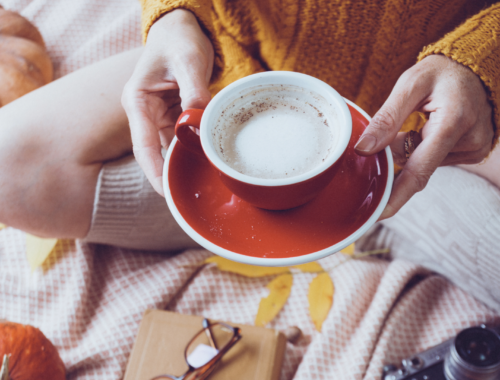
x=196 y=130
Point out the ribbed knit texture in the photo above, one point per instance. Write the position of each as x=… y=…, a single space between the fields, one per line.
x=129 y=213
x=358 y=47
x=452 y=228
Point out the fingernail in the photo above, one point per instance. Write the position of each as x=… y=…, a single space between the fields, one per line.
x=366 y=143
x=387 y=213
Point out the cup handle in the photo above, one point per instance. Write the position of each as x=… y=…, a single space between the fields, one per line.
x=187 y=123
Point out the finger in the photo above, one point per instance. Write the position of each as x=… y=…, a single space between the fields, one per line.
x=149 y=94
x=398 y=147
x=418 y=169
x=193 y=81
x=466 y=158
x=150 y=104
x=408 y=94
x=146 y=145
x=477 y=138
x=167 y=134
x=151 y=162
x=166 y=137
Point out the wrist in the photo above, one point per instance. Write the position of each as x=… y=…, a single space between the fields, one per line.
x=177 y=16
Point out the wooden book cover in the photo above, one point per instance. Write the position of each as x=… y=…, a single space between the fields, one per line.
x=163 y=335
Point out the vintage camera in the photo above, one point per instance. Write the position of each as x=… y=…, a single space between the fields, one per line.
x=474 y=354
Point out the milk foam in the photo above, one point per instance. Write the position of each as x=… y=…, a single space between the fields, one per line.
x=276 y=132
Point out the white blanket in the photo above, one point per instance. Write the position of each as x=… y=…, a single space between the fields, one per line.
x=89 y=299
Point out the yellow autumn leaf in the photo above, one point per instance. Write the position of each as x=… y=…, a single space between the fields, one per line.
x=320 y=298
x=270 y=306
x=381 y=251
x=2 y=226
x=313 y=267
x=349 y=250
x=245 y=269
x=38 y=249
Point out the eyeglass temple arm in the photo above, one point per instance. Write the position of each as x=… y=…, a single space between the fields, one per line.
x=208 y=331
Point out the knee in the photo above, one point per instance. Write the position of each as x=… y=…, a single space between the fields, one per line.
x=44 y=191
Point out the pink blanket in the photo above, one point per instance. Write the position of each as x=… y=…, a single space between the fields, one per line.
x=89 y=299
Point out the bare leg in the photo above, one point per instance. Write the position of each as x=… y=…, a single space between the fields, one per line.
x=490 y=169
x=53 y=143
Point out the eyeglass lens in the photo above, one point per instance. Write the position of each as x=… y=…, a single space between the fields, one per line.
x=207 y=343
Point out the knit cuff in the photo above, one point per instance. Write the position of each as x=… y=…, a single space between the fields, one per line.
x=117 y=201
x=129 y=213
x=152 y=10
x=476 y=45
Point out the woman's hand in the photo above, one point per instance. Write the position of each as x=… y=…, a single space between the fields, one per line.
x=172 y=75
x=459 y=129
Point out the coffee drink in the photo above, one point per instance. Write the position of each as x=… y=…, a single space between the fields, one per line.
x=276 y=131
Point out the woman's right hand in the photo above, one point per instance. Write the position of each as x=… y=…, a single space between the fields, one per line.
x=172 y=75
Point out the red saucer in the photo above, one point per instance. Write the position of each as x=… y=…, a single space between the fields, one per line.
x=228 y=222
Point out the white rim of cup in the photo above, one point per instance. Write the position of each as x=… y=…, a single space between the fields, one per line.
x=289 y=78
x=286 y=261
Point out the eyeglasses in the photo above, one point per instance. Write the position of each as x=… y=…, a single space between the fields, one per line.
x=205 y=350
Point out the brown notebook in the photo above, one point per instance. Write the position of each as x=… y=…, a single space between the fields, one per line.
x=163 y=335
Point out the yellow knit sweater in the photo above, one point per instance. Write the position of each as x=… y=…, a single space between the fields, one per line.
x=358 y=47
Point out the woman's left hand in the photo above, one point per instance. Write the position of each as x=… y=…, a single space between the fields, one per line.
x=459 y=129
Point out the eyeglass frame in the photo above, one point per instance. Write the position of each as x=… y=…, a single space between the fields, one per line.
x=210 y=365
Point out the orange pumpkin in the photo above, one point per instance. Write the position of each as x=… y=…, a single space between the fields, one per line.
x=30 y=354
x=24 y=62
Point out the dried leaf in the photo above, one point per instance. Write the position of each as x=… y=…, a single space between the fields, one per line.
x=245 y=269
x=38 y=249
x=371 y=253
x=320 y=298
x=271 y=305
x=349 y=250
x=2 y=226
x=313 y=267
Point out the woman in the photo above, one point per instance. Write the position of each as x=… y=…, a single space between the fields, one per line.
x=66 y=165
x=359 y=48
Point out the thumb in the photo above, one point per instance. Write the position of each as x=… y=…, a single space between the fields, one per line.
x=193 y=79
x=406 y=97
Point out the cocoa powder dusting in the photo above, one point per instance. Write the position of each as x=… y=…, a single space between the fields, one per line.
x=243 y=115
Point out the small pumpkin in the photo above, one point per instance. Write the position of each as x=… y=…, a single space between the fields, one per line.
x=27 y=354
x=24 y=62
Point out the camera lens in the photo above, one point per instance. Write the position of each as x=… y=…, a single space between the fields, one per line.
x=475 y=354
x=478 y=346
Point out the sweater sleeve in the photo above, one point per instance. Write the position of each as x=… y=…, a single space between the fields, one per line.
x=152 y=10
x=476 y=44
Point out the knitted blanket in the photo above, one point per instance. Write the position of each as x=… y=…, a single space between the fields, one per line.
x=89 y=299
